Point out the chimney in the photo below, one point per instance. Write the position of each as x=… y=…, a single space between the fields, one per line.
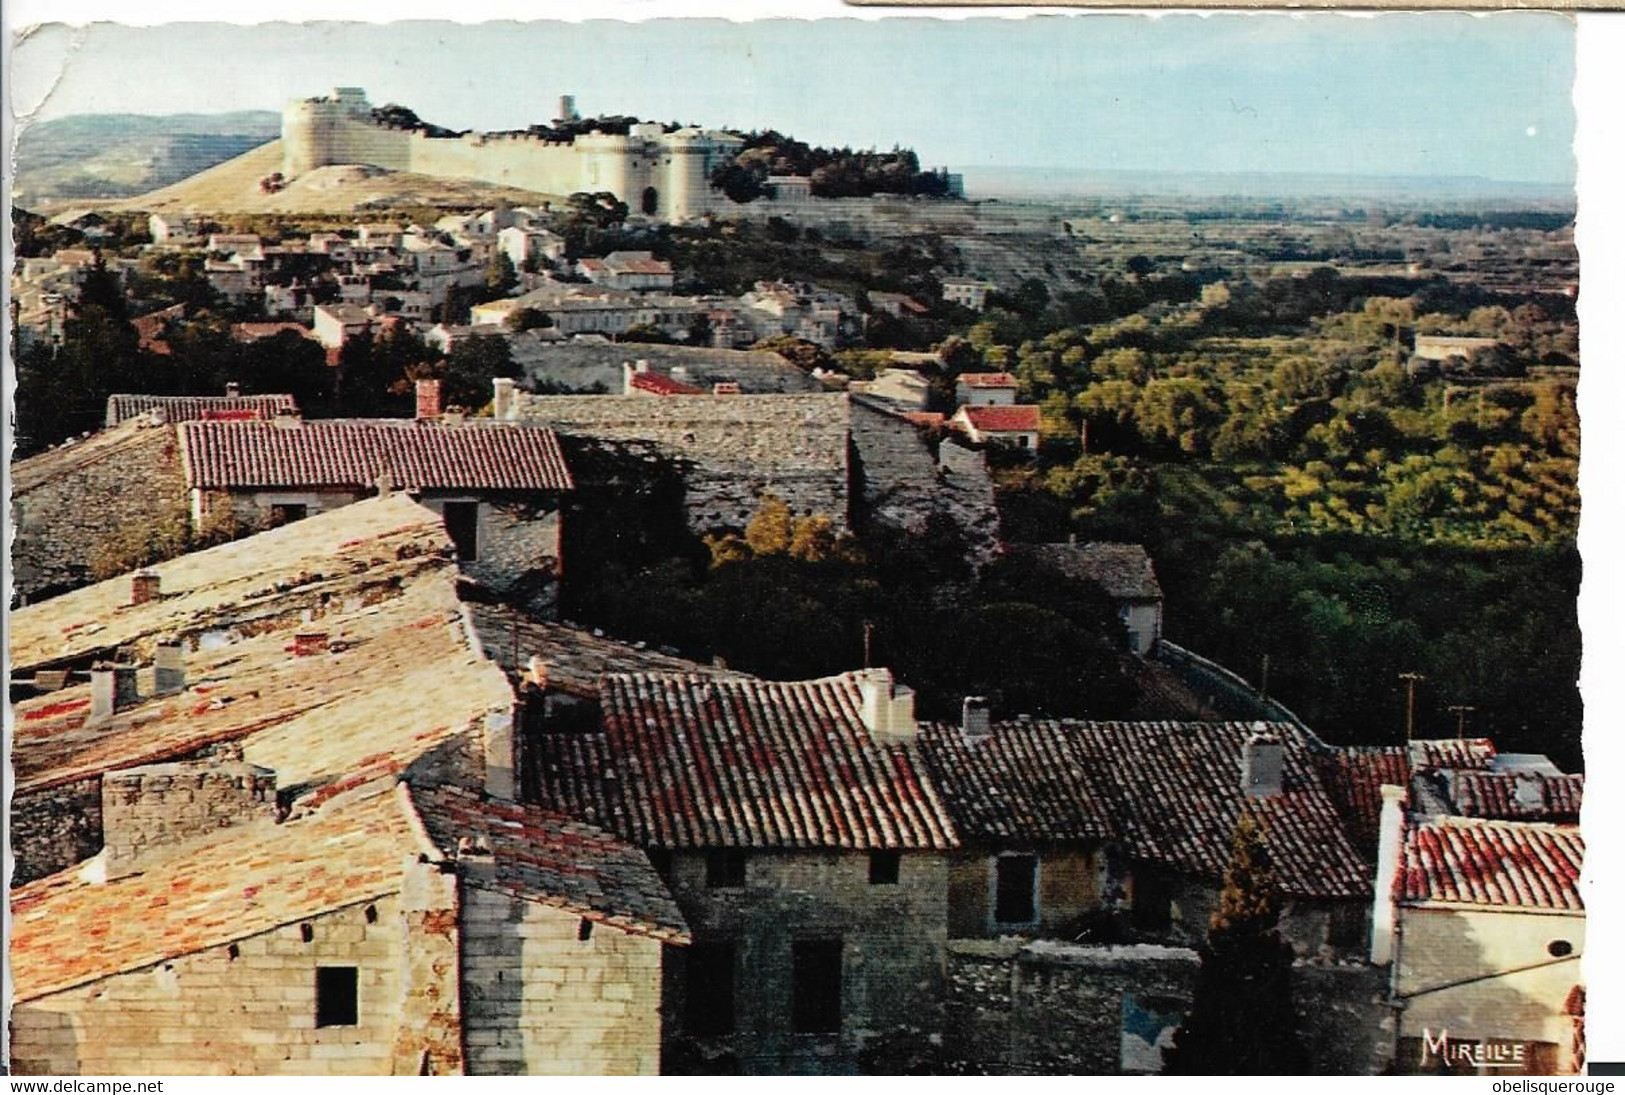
x=428 y=400
x=502 y=401
x=499 y=746
x=886 y=707
x=169 y=667
x=538 y=671
x=680 y=372
x=233 y=389
x=977 y=720
x=1390 y=862
x=1261 y=761
x=725 y=387
x=112 y=689
x=642 y=365
x=144 y=586
x=454 y=416
x=285 y=420
x=307 y=643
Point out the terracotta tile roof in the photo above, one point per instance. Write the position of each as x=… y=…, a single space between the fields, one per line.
x=988 y=380
x=192 y=408
x=1171 y=794
x=1469 y=861
x=1354 y=777
x=926 y=418
x=577 y=659
x=692 y=762
x=1452 y=753
x=549 y=858
x=1124 y=571
x=1029 y=782
x=48 y=467
x=251 y=879
x=622 y=263
x=355 y=452
x=660 y=384
x=1020 y=418
x=250 y=332
x=1523 y=796
x=400 y=678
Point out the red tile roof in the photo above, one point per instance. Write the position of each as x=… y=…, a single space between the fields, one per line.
x=1526 y=796
x=1354 y=777
x=660 y=384
x=1020 y=418
x=191 y=408
x=546 y=857
x=355 y=452
x=250 y=332
x=249 y=880
x=988 y=380
x=1170 y=792
x=1452 y=753
x=1469 y=861
x=692 y=762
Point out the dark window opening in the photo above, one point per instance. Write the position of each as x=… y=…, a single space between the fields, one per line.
x=710 y=988
x=232 y=952
x=651 y=201
x=1560 y=948
x=284 y=512
x=336 y=996
x=584 y=930
x=1347 y=926
x=815 y=986
x=1014 y=900
x=306 y=932
x=884 y=867
x=660 y=860
x=372 y=914
x=1153 y=903
x=462 y=525
x=725 y=870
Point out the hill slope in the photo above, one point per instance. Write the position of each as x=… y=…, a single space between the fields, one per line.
x=234 y=187
x=119 y=155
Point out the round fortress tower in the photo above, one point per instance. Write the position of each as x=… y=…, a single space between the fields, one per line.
x=314 y=130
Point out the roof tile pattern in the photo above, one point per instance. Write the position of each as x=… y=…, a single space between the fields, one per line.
x=1527 y=796
x=660 y=384
x=354 y=453
x=1493 y=863
x=251 y=879
x=1172 y=794
x=1123 y=571
x=1454 y=753
x=1019 y=418
x=192 y=408
x=694 y=762
x=546 y=857
x=1354 y=777
x=988 y=380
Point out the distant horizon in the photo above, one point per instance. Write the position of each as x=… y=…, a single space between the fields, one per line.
x=1403 y=95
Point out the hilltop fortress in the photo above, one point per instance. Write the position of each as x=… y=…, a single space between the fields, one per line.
x=656 y=173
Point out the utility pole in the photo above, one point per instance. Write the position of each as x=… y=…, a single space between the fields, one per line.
x=1410 y=680
x=1264 y=679
x=868 y=644
x=1461 y=710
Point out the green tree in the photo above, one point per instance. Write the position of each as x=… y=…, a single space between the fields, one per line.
x=1242 y=1022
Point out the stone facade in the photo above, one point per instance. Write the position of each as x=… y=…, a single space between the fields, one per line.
x=155 y=805
x=74 y=504
x=892 y=938
x=54 y=828
x=248 y=1008
x=1069 y=884
x=540 y=999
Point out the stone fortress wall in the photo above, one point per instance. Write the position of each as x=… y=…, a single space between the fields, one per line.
x=665 y=175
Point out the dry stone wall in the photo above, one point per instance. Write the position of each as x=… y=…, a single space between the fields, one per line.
x=54 y=828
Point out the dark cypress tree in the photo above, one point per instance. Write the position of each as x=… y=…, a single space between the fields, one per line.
x=1242 y=1022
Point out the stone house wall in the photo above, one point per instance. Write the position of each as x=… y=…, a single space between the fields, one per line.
x=517 y=544
x=1069 y=885
x=1306 y=924
x=1450 y=972
x=53 y=828
x=539 y=999
x=71 y=504
x=892 y=957
x=240 y=1009
x=164 y=804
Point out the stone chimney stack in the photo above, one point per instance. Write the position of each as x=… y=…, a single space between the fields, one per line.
x=886 y=707
x=233 y=389
x=977 y=721
x=538 y=671
x=112 y=689
x=1262 y=760
x=499 y=745
x=159 y=805
x=169 y=667
x=309 y=643
x=502 y=398
x=428 y=400
x=144 y=587
x=1390 y=862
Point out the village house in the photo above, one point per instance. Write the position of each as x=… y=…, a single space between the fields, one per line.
x=309 y=797
x=336 y=324
x=1478 y=918
x=967 y=292
x=1448 y=347
x=900 y=389
x=233 y=405
x=592 y=365
x=898 y=305
x=175 y=230
x=528 y=247
x=1122 y=571
x=986 y=389
x=637 y=271
x=803 y=845
x=498 y=487
x=1013 y=426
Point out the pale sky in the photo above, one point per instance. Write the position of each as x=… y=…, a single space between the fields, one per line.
x=1432 y=94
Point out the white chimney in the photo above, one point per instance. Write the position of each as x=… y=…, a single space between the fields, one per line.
x=169 y=667
x=886 y=707
x=977 y=720
x=112 y=689
x=1390 y=862
x=502 y=402
x=1262 y=758
x=233 y=389
x=499 y=744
